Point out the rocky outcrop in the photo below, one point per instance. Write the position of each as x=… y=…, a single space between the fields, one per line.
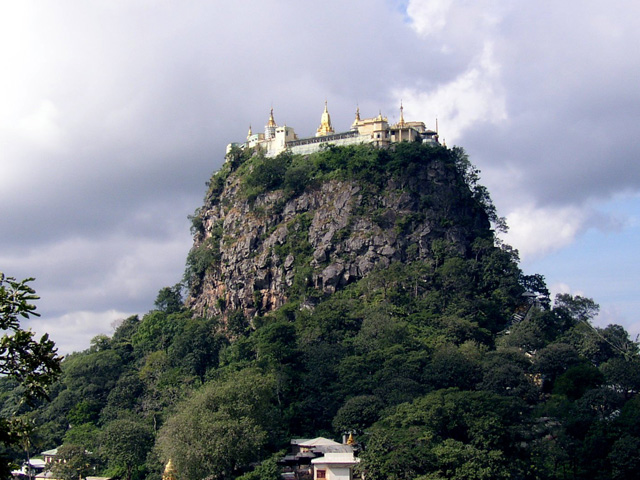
x=324 y=238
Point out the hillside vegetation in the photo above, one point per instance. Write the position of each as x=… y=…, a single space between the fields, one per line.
x=430 y=343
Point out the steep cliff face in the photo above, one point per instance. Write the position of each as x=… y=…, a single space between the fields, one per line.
x=333 y=225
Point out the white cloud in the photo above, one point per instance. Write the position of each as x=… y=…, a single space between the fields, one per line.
x=122 y=270
x=458 y=28
x=474 y=96
x=428 y=16
x=539 y=231
x=41 y=126
x=71 y=331
x=613 y=316
x=86 y=284
x=560 y=288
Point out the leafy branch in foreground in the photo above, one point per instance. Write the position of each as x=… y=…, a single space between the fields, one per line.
x=35 y=364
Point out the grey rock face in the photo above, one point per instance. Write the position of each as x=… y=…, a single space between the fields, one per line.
x=324 y=238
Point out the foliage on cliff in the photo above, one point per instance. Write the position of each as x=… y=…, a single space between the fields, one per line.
x=430 y=354
x=276 y=230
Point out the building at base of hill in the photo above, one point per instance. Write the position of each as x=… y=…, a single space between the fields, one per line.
x=319 y=458
x=376 y=131
x=334 y=466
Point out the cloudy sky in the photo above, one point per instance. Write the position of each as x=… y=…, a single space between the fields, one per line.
x=114 y=113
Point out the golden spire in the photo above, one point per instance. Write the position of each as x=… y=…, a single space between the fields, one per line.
x=357 y=120
x=350 y=440
x=401 y=122
x=169 y=471
x=249 y=133
x=272 y=122
x=325 y=127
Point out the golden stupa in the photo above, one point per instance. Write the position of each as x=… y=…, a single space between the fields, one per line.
x=169 y=471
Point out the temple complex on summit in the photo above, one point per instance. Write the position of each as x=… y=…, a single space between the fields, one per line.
x=375 y=130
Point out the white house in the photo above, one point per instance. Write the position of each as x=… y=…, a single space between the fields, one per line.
x=334 y=466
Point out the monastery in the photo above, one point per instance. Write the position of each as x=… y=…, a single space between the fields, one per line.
x=376 y=131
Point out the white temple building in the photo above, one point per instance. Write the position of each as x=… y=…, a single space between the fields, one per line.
x=375 y=130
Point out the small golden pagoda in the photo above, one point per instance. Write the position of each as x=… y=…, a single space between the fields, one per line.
x=325 y=127
x=357 y=122
x=169 y=472
x=401 y=123
x=272 y=122
x=351 y=440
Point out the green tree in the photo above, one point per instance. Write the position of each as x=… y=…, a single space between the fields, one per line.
x=554 y=360
x=509 y=379
x=527 y=335
x=575 y=382
x=536 y=284
x=267 y=174
x=92 y=375
x=85 y=434
x=623 y=375
x=196 y=349
x=222 y=428
x=73 y=462
x=460 y=461
x=625 y=458
x=447 y=434
x=598 y=345
x=450 y=368
x=125 y=444
x=267 y=470
x=569 y=309
x=124 y=396
x=357 y=413
x=380 y=330
x=85 y=411
x=121 y=339
x=296 y=178
x=275 y=343
x=169 y=299
x=34 y=364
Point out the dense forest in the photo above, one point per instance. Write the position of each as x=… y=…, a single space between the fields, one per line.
x=447 y=362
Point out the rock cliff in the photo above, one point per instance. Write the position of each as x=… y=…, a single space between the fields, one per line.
x=305 y=236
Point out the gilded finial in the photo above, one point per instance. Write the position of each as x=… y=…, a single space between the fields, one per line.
x=169 y=471
x=272 y=122
x=325 y=127
x=401 y=122
x=250 y=132
x=350 y=440
x=357 y=121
